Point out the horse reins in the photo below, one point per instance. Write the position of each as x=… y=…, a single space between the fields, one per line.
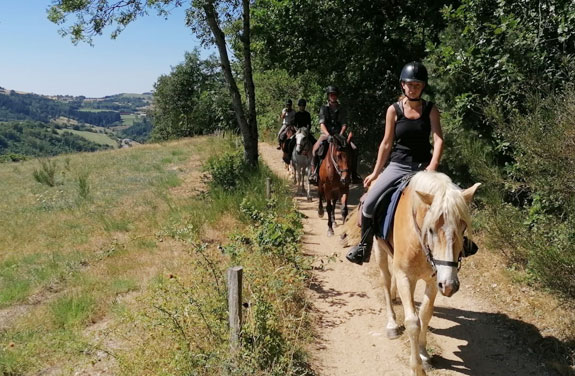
x=428 y=254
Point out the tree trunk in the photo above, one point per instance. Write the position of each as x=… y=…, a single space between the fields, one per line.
x=248 y=76
x=250 y=137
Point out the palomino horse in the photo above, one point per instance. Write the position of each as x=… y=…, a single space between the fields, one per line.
x=426 y=243
x=334 y=179
x=301 y=161
x=289 y=132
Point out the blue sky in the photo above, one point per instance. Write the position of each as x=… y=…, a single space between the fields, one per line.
x=35 y=58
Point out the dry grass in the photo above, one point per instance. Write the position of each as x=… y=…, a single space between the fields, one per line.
x=56 y=247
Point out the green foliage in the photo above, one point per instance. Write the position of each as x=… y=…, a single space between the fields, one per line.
x=187 y=313
x=540 y=183
x=139 y=131
x=191 y=100
x=494 y=54
x=275 y=86
x=72 y=310
x=359 y=46
x=227 y=170
x=19 y=139
x=84 y=186
x=47 y=172
x=33 y=107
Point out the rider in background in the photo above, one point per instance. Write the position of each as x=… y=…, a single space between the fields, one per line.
x=406 y=145
x=302 y=117
x=332 y=120
x=287 y=118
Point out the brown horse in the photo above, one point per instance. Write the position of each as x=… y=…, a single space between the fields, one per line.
x=426 y=244
x=334 y=179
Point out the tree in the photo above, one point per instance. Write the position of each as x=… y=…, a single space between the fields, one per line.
x=358 y=45
x=205 y=17
x=190 y=100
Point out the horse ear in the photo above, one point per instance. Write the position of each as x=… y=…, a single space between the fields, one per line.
x=425 y=197
x=469 y=192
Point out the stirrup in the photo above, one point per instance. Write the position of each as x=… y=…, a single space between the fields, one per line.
x=359 y=254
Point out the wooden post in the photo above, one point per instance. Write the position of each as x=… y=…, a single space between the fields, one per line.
x=268 y=188
x=235 y=305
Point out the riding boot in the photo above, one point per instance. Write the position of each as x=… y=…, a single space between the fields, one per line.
x=355 y=177
x=362 y=252
x=314 y=176
x=469 y=247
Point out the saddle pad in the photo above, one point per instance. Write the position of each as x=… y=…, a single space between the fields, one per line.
x=387 y=221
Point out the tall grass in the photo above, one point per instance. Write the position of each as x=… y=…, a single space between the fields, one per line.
x=145 y=260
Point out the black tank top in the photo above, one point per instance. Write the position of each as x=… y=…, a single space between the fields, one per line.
x=412 y=143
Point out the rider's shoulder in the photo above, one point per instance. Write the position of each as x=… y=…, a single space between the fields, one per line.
x=391 y=110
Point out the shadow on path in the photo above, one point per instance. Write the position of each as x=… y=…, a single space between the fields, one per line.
x=497 y=344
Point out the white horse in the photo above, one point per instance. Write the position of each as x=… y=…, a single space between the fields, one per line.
x=301 y=161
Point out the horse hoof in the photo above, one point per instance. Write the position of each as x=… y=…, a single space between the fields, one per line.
x=426 y=364
x=309 y=199
x=330 y=232
x=320 y=213
x=393 y=333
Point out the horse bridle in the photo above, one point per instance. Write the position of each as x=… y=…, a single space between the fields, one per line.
x=428 y=253
x=335 y=165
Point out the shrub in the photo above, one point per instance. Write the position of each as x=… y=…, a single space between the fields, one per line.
x=47 y=172
x=227 y=170
x=83 y=186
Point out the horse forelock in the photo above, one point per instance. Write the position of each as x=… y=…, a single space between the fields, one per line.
x=448 y=205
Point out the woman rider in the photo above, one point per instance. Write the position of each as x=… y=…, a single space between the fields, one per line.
x=405 y=145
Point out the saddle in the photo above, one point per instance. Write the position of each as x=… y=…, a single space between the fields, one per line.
x=386 y=206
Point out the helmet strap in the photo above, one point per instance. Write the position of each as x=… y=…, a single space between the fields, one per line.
x=413 y=99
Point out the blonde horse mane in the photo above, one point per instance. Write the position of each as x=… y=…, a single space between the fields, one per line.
x=448 y=202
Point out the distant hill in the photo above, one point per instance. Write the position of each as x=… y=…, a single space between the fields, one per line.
x=105 y=112
x=20 y=140
x=33 y=125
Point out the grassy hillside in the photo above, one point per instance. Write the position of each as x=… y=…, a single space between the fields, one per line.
x=120 y=266
x=98 y=138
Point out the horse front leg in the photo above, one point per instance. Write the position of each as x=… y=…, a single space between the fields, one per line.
x=425 y=313
x=406 y=287
x=320 y=203
x=330 y=216
x=382 y=259
x=344 y=210
x=306 y=182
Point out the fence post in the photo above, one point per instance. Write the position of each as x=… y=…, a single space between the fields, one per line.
x=235 y=305
x=268 y=188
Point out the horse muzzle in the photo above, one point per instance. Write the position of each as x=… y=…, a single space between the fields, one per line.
x=448 y=287
x=345 y=177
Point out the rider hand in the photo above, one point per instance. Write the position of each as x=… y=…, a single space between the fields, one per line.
x=431 y=167
x=368 y=179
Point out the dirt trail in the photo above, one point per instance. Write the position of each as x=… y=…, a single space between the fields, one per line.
x=468 y=336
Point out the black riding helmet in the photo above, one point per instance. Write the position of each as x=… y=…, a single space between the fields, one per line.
x=289 y=102
x=413 y=72
x=331 y=89
x=302 y=102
